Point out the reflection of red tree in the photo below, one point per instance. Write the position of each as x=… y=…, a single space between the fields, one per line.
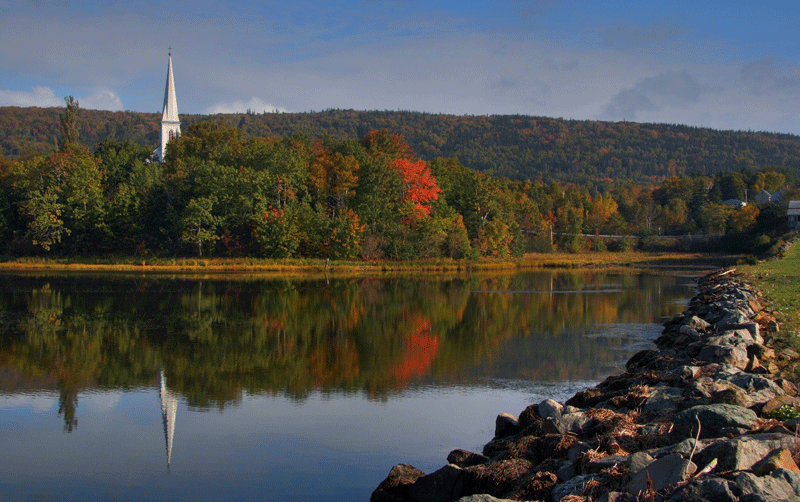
x=420 y=351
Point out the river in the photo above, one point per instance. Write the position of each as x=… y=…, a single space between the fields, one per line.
x=116 y=387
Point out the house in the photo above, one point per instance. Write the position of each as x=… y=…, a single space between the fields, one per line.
x=794 y=215
x=735 y=203
x=763 y=197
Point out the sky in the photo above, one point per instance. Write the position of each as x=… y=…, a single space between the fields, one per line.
x=721 y=64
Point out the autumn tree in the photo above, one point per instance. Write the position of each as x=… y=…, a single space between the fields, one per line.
x=420 y=185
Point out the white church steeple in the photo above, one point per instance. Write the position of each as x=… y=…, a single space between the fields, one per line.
x=170 y=123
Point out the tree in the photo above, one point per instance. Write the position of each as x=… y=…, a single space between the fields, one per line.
x=277 y=232
x=69 y=121
x=421 y=187
x=45 y=223
x=333 y=177
x=199 y=223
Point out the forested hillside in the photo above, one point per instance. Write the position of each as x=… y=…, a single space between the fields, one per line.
x=589 y=153
x=371 y=197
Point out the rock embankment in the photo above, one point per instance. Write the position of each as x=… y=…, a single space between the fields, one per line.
x=690 y=420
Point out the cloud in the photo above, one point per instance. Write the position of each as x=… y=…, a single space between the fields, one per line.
x=102 y=99
x=254 y=105
x=671 y=88
x=771 y=75
x=40 y=96
x=45 y=97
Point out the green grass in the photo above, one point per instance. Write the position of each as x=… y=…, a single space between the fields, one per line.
x=779 y=282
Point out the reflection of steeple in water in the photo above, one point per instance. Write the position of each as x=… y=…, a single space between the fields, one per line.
x=169 y=406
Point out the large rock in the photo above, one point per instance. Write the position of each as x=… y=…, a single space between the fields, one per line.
x=464 y=458
x=695 y=322
x=741 y=453
x=444 y=485
x=765 y=488
x=728 y=354
x=780 y=458
x=638 y=461
x=550 y=409
x=666 y=471
x=715 y=419
x=505 y=425
x=396 y=485
x=707 y=489
x=759 y=389
x=663 y=398
x=790 y=477
x=574 y=422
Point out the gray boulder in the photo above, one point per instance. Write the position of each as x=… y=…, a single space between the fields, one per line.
x=663 y=398
x=728 y=354
x=707 y=489
x=574 y=422
x=741 y=453
x=791 y=477
x=664 y=472
x=550 y=409
x=714 y=419
x=765 y=488
x=638 y=461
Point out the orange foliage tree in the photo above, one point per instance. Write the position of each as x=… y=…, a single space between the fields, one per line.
x=421 y=187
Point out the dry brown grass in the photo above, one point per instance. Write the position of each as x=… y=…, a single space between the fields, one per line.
x=304 y=267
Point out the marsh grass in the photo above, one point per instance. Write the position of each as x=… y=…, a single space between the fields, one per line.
x=318 y=267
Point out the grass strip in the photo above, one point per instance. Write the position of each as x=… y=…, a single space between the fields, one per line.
x=262 y=266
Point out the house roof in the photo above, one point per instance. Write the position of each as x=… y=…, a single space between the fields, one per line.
x=794 y=208
x=735 y=203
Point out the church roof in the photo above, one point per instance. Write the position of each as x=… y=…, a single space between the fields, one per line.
x=170 y=111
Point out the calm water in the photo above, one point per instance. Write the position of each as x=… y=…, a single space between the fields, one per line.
x=120 y=388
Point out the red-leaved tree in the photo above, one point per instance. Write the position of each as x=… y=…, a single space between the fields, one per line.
x=421 y=187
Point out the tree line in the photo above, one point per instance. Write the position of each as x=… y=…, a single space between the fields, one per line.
x=221 y=194
x=591 y=153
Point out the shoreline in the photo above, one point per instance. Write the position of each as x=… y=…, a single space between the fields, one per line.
x=320 y=267
x=635 y=435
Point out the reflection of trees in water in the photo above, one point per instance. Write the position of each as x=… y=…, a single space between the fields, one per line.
x=217 y=339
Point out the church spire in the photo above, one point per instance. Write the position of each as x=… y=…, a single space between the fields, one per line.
x=170 y=122
x=169 y=408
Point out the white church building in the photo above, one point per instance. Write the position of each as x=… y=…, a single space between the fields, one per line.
x=170 y=122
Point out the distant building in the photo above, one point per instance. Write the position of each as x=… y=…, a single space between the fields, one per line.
x=763 y=197
x=735 y=203
x=170 y=122
x=794 y=215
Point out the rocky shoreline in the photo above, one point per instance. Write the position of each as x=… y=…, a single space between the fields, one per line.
x=704 y=416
